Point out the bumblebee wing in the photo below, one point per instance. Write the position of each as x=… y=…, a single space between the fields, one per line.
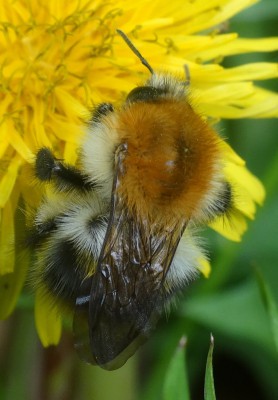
x=120 y=304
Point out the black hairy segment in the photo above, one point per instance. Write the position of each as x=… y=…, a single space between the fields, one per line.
x=95 y=223
x=145 y=94
x=39 y=232
x=65 y=177
x=45 y=164
x=224 y=202
x=60 y=273
x=100 y=111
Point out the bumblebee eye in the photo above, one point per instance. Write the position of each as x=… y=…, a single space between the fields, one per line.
x=145 y=94
x=100 y=111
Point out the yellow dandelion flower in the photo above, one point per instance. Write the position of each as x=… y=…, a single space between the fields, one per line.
x=59 y=56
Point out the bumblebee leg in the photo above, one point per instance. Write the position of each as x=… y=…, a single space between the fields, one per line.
x=65 y=177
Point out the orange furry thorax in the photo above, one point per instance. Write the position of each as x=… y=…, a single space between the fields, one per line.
x=172 y=156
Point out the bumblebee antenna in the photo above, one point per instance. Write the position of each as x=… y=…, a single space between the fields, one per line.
x=135 y=51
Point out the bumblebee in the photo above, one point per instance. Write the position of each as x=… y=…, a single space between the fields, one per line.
x=115 y=239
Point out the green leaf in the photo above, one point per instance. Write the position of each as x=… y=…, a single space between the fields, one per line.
x=237 y=313
x=176 y=382
x=269 y=303
x=209 y=382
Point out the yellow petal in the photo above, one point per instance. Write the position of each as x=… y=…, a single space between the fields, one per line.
x=4 y=142
x=204 y=267
x=64 y=130
x=8 y=180
x=37 y=129
x=232 y=226
x=226 y=92
x=48 y=319
x=229 y=155
x=11 y=285
x=249 y=72
x=246 y=181
x=17 y=142
x=230 y=45
x=70 y=153
x=70 y=105
x=243 y=45
x=247 y=192
x=217 y=13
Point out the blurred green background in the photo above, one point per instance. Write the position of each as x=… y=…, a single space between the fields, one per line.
x=229 y=304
